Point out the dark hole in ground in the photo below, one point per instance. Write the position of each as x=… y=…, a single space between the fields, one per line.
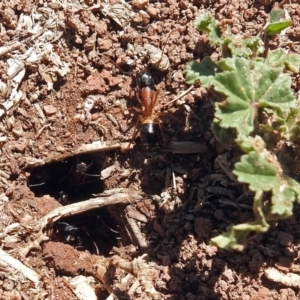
x=95 y=231
x=71 y=180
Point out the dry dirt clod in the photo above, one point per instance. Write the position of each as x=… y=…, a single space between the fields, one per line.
x=140 y=4
x=49 y=110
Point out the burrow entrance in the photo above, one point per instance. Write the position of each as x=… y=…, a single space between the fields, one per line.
x=72 y=180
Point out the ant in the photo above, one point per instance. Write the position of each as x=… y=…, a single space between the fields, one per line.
x=147 y=97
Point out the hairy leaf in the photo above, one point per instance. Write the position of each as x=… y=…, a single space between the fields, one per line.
x=279 y=59
x=255 y=170
x=203 y=71
x=250 y=85
x=207 y=23
x=243 y=47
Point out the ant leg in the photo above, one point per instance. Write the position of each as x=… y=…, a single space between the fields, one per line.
x=135 y=132
x=161 y=131
x=37 y=184
x=154 y=98
x=137 y=109
x=137 y=96
x=115 y=64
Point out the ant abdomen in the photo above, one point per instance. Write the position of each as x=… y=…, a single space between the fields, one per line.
x=148 y=132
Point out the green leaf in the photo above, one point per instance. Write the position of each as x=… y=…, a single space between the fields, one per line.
x=286 y=123
x=278 y=58
x=260 y=169
x=278 y=22
x=250 y=85
x=226 y=64
x=255 y=170
x=230 y=240
x=292 y=62
x=282 y=201
x=276 y=15
x=283 y=197
x=249 y=143
x=203 y=71
x=236 y=236
x=276 y=28
x=207 y=23
x=243 y=47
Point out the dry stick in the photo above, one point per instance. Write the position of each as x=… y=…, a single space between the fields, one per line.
x=179 y=97
x=16 y=44
x=81 y=207
x=96 y=146
x=137 y=233
x=187 y=147
x=17 y=265
x=107 y=198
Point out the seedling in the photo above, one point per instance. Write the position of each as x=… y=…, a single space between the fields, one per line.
x=256 y=85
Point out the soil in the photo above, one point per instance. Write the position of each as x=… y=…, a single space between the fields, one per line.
x=84 y=90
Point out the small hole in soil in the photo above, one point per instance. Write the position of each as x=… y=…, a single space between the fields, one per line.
x=71 y=180
x=94 y=231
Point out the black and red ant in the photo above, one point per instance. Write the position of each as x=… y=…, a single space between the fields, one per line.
x=147 y=97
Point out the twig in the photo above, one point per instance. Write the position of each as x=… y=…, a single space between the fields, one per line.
x=104 y=199
x=179 y=97
x=14 y=99
x=84 y=206
x=137 y=233
x=96 y=146
x=187 y=147
x=17 y=265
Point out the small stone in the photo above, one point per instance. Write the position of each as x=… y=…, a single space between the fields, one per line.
x=190 y=217
x=228 y=275
x=284 y=238
x=203 y=228
x=8 y=285
x=139 y=4
x=49 y=110
x=95 y=84
x=104 y=45
x=60 y=149
x=283 y=264
x=152 y=11
x=77 y=117
x=219 y=214
x=95 y=116
x=19 y=146
x=188 y=226
x=114 y=81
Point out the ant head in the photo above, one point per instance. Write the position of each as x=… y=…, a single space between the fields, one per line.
x=144 y=79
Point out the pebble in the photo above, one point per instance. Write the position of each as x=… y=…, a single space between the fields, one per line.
x=50 y=110
x=284 y=238
x=188 y=226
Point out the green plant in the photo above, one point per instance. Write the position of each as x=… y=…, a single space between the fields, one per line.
x=256 y=85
